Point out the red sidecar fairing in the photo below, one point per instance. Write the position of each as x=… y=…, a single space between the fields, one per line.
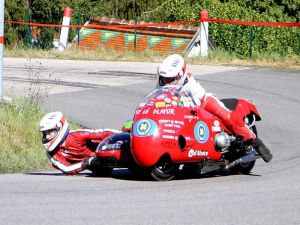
x=162 y=127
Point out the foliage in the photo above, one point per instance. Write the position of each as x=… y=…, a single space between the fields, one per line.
x=232 y=38
x=236 y=38
x=14 y=10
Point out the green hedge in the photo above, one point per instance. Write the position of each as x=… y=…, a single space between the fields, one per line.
x=234 y=39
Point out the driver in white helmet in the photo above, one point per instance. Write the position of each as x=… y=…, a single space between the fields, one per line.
x=173 y=71
x=70 y=151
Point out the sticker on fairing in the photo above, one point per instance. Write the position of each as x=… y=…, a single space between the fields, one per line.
x=160 y=104
x=144 y=127
x=201 y=132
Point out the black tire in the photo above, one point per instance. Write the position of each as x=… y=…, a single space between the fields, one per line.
x=164 y=170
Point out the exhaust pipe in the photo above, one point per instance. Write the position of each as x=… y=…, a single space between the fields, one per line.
x=247 y=158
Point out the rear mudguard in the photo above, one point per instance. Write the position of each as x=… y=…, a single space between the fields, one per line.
x=254 y=110
x=241 y=107
x=248 y=108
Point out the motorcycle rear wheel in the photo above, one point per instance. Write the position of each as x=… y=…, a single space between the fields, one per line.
x=245 y=168
x=164 y=170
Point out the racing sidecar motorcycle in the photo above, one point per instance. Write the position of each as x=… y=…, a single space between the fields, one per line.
x=169 y=133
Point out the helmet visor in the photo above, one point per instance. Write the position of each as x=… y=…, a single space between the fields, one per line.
x=168 y=80
x=48 y=135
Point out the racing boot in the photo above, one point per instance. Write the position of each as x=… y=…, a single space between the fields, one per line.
x=259 y=146
x=262 y=149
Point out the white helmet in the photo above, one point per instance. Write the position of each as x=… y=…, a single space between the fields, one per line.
x=55 y=129
x=172 y=71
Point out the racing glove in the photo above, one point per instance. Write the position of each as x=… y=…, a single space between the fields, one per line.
x=89 y=162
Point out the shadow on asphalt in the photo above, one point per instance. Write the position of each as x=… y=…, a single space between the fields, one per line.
x=51 y=173
x=125 y=174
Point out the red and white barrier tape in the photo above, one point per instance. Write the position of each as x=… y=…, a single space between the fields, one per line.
x=95 y=26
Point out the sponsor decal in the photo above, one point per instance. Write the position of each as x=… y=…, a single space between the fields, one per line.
x=189 y=117
x=146 y=111
x=172 y=121
x=179 y=122
x=160 y=104
x=217 y=123
x=168 y=137
x=216 y=129
x=185 y=101
x=167 y=100
x=161 y=97
x=174 y=103
x=194 y=153
x=143 y=111
x=169 y=131
x=164 y=121
x=175 y=63
x=201 y=132
x=115 y=146
x=144 y=127
x=150 y=103
x=164 y=111
x=180 y=103
x=169 y=143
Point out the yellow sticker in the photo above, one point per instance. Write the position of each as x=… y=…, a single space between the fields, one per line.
x=160 y=104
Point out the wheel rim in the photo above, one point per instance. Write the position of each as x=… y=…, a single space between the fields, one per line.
x=165 y=167
x=164 y=170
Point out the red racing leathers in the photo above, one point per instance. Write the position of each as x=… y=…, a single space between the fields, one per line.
x=70 y=154
x=213 y=105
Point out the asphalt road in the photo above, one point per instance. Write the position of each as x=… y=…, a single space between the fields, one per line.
x=104 y=94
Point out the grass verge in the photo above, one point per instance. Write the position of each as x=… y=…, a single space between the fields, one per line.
x=21 y=148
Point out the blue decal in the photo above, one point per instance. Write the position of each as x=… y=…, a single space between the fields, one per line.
x=144 y=127
x=201 y=132
x=175 y=63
